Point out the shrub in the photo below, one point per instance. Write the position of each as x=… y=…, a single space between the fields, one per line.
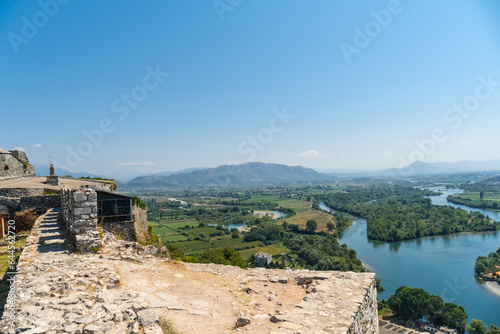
x=167 y=327
x=137 y=201
x=25 y=220
x=152 y=235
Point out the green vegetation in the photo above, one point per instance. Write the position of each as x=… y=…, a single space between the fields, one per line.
x=400 y=213
x=113 y=186
x=137 y=201
x=320 y=251
x=194 y=224
x=226 y=255
x=311 y=226
x=97 y=178
x=488 y=267
x=478 y=327
x=198 y=228
x=418 y=304
x=484 y=194
x=475 y=200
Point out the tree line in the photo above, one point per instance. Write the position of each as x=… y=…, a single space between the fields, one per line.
x=475 y=203
x=418 y=305
x=401 y=213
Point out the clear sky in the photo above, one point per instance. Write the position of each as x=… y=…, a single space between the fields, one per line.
x=107 y=86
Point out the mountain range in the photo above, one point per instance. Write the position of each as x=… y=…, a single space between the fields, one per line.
x=265 y=173
x=121 y=176
x=229 y=175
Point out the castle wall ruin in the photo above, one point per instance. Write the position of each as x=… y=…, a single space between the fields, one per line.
x=79 y=213
x=15 y=164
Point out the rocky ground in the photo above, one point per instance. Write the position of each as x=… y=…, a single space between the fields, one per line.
x=126 y=290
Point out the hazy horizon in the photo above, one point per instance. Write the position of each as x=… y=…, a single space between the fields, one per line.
x=162 y=86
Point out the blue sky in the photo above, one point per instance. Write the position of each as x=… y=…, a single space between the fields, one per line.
x=226 y=69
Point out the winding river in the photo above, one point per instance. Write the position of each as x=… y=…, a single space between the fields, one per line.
x=443 y=265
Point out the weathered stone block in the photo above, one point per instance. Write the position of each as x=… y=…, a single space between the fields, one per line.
x=82 y=211
x=92 y=196
x=79 y=196
x=147 y=317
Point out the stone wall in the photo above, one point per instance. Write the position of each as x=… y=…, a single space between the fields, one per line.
x=136 y=230
x=122 y=230
x=336 y=302
x=366 y=320
x=79 y=213
x=15 y=164
x=10 y=204
x=40 y=202
x=21 y=192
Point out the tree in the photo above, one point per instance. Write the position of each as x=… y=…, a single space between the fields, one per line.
x=380 y=287
x=225 y=255
x=435 y=307
x=494 y=329
x=477 y=327
x=481 y=195
x=311 y=226
x=330 y=226
x=410 y=303
x=455 y=316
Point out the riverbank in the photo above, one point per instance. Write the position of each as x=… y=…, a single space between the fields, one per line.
x=425 y=263
x=460 y=201
x=493 y=286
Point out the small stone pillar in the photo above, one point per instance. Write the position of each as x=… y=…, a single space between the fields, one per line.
x=52 y=179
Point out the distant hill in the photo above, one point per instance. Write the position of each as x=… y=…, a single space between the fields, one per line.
x=491 y=181
x=416 y=168
x=122 y=176
x=230 y=175
x=423 y=168
x=42 y=170
x=180 y=171
x=468 y=166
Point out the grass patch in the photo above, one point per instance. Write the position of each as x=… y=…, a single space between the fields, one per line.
x=305 y=213
x=385 y=311
x=197 y=247
x=475 y=195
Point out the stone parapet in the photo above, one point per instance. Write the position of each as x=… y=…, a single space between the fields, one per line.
x=79 y=213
